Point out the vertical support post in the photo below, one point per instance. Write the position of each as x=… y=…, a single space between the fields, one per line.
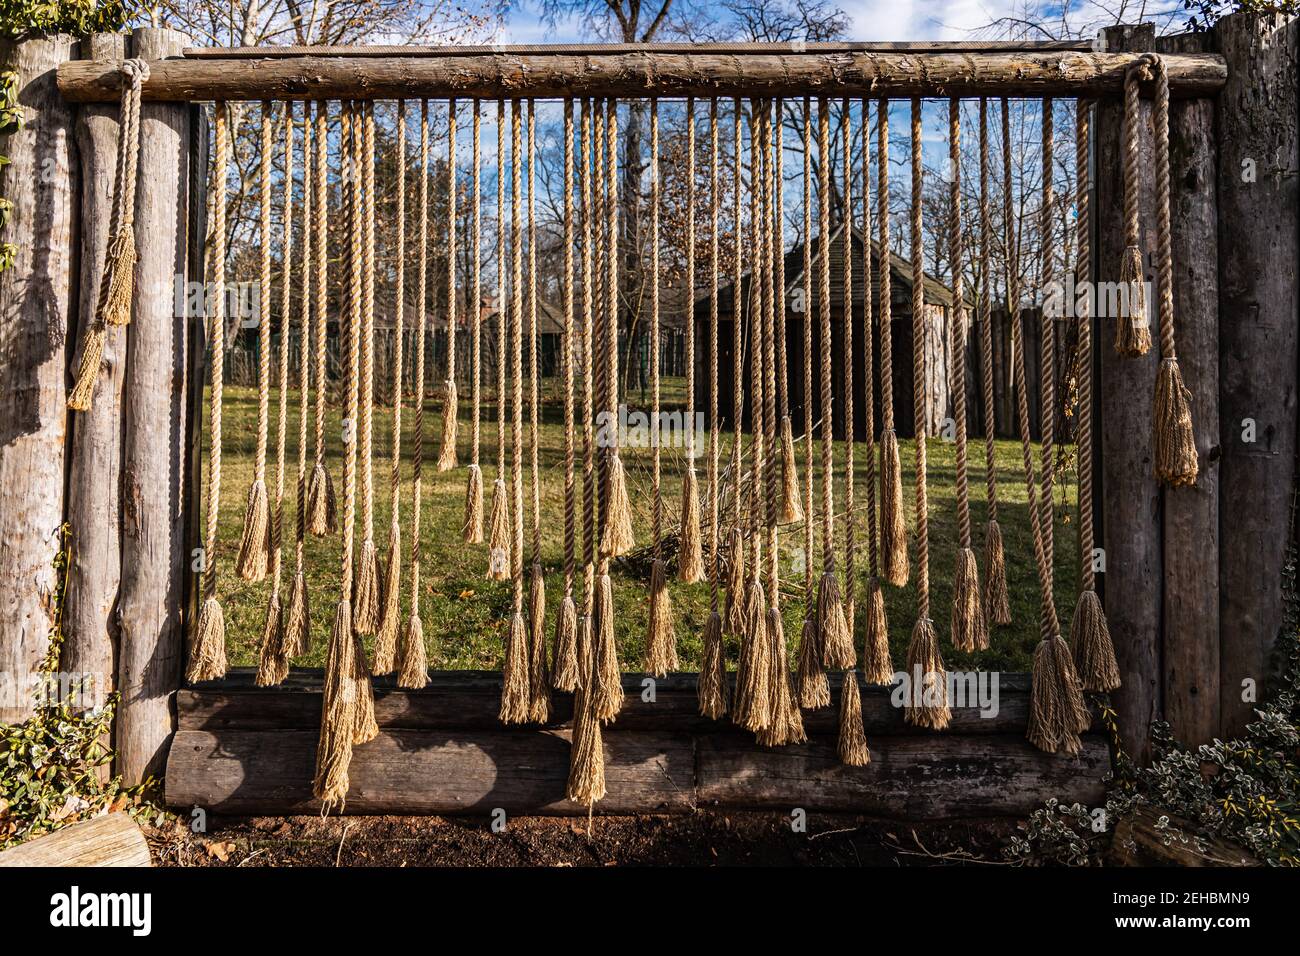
x=1131 y=506
x=1190 y=637
x=95 y=448
x=37 y=294
x=1259 y=193
x=154 y=465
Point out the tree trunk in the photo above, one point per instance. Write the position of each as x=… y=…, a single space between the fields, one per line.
x=37 y=294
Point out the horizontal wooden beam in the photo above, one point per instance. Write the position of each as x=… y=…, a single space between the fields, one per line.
x=470 y=700
x=246 y=749
x=638 y=74
x=569 y=49
x=524 y=771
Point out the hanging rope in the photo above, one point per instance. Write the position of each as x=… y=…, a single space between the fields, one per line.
x=877 y=666
x=690 y=556
x=893 y=528
x=839 y=651
x=996 y=603
x=753 y=671
x=450 y=401
x=586 y=783
x=412 y=661
x=587 y=366
x=661 y=642
x=390 y=621
x=969 y=628
x=1175 y=440
x=928 y=706
x=831 y=624
x=322 y=508
x=616 y=534
x=814 y=687
x=117 y=280
x=734 y=619
x=852 y=740
x=254 y=556
x=712 y=685
x=296 y=638
x=1094 y=654
x=347 y=716
x=472 y=527
x=1133 y=330
x=1057 y=713
x=539 y=679
x=790 y=506
x=208 y=649
x=565 y=665
x=499 y=533
x=784 y=721
x=273 y=666
x=516 y=692
x=366 y=598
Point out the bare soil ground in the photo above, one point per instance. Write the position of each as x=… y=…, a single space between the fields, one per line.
x=706 y=838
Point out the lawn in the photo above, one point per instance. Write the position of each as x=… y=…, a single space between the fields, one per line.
x=464 y=614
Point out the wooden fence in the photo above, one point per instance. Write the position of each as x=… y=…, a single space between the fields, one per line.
x=1193 y=577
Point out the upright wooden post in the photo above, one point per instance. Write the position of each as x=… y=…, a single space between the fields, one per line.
x=1190 y=635
x=95 y=447
x=150 y=658
x=1131 y=499
x=36 y=298
x=1259 y=298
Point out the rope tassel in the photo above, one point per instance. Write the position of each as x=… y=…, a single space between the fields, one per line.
x=565 y=666
x=255 y=540
x=322 y=505
x=713 y=670
x=813 y=684
x=616 y=538
x=997 y=600
x=586 y=783
x=790 y=509
x=837 y=643
x=389 y=629
x=447 y=456
x=116 y=282
x=690 y=557
x=784 y=721
x=661 y=639
x=753 y=703
x=472 y=527
x=877 y=667
x=1133 y=329
x=852 y=743
x=516 y=696
x=608 y=687
x=539 y=681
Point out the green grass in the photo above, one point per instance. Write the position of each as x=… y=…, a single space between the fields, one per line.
x=464 y=614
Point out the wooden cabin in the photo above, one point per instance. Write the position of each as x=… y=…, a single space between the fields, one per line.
x=938 y=350
x=938 y=302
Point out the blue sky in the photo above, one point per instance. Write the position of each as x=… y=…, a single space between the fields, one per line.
x=896 y=20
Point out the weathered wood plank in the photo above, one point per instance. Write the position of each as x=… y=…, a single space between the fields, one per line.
x=1131 y=530
x=95 y=446
x=1056 y=73
x=1190 y=650
x=36 y=299
x=111 y=840
x=1259 y=298
x=929 y=776
x=470 y=701
x=405 y=771
x=153 y=505
x=1138 y=841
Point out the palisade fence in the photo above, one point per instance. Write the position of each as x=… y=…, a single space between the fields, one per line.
x=1193 y=576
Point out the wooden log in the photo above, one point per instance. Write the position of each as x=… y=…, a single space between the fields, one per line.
x=153 y=501
x=470 y=701
x=427 y=771
x=446 y=771
x=1033 y=73
x=113 y=839
x=1131 y=530
x=36 y=296
x=1140 y=841
x=922 y=777
x=1258 y=302
x=95 y=447
x=1190 y=649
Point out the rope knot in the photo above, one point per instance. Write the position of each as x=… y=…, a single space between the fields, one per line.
x=1145 y=67
x=136 y=71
